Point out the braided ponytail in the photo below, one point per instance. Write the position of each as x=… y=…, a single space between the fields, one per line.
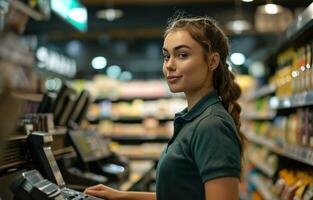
x=229 y=90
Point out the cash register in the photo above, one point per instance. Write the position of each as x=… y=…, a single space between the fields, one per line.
x=31 y=185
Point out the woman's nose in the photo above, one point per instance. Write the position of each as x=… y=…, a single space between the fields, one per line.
x=170 y=64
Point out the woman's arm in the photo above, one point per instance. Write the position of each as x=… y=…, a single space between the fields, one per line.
x=226 y=188
x=138 y=196
x=108 y=193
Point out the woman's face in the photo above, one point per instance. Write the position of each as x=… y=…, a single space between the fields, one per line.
x=184 y=65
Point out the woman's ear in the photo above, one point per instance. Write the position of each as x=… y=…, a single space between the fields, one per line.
x=213 y=61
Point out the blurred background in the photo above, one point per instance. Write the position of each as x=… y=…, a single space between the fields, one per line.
x=88 y=73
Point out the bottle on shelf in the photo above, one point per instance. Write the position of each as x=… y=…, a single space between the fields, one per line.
x=308 y=66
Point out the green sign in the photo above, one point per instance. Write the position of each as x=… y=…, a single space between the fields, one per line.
x=72 y=11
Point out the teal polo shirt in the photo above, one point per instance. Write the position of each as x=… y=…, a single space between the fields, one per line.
x=204 y=146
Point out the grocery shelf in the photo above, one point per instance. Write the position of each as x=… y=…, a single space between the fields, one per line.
x=144 y=98
x=263 y=187
x=298 y=153
x=262 y=166
x=145 y=151
x=297 y=100
x=257 y=116
x=263 y=91
x=126 y=119
x=137 y=139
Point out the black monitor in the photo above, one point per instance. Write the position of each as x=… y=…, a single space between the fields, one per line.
x=89 y=145
x=63 y=105
x=79 y=110
x=46 y=103
x=40 y=148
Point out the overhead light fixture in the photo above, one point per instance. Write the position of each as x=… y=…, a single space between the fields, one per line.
x=126 y=76
x=247 y=0
x=237 y=58
x=239 y=24
x=78 y=14
x=109 y=14
x=114 y=71
x=270 y=8
x=99 y=62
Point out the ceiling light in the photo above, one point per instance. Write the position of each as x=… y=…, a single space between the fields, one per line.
x=126 y=76
x=270 y=9
x=238 y=26
x=237 y=58
x=257 y=69
x=78 y=14
x=114 y=71
x=109 y=14
x=247 y=0
x=99 y=62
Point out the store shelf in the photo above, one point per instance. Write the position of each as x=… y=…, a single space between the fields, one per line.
x=297 y=100
x=137 y=139
x=146 y=151
x=271 y=145
x=144 y=98
x=256 y=116
x=263 y=187
x=138 y=171
x=263 y=91
x=262 y=166
x=298 y=153
x=126 y=119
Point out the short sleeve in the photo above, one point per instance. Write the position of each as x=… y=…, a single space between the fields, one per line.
x=215 y=149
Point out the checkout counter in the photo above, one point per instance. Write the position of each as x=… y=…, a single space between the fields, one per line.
x=51 y=157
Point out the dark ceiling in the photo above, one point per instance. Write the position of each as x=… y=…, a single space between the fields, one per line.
x=134 y=41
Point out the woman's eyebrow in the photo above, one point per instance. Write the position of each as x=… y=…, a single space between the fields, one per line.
x=178 y=47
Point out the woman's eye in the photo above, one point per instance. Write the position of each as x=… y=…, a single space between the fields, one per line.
x=166 y=57
x=182 y=55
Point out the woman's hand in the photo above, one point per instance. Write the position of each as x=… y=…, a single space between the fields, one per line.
x=104 y=192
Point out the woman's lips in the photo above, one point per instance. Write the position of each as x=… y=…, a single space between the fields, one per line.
x=173 y=79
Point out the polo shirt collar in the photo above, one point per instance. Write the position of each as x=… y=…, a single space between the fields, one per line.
x=206 y=101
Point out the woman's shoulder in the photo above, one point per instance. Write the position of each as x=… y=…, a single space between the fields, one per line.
x=215 y=120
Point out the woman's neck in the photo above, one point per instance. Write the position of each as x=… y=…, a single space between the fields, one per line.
x=193 y=98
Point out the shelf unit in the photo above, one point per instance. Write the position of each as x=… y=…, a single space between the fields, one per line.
x=298 y=153
x=294 y=101
x=298 y=34
x=126 y=119
x=144 y=98
x=263 y=188
x=263 y=91
x=256 y=116
x=262 y=166
x=137 y=139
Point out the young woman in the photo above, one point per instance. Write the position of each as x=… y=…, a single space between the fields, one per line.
x=202 y=161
